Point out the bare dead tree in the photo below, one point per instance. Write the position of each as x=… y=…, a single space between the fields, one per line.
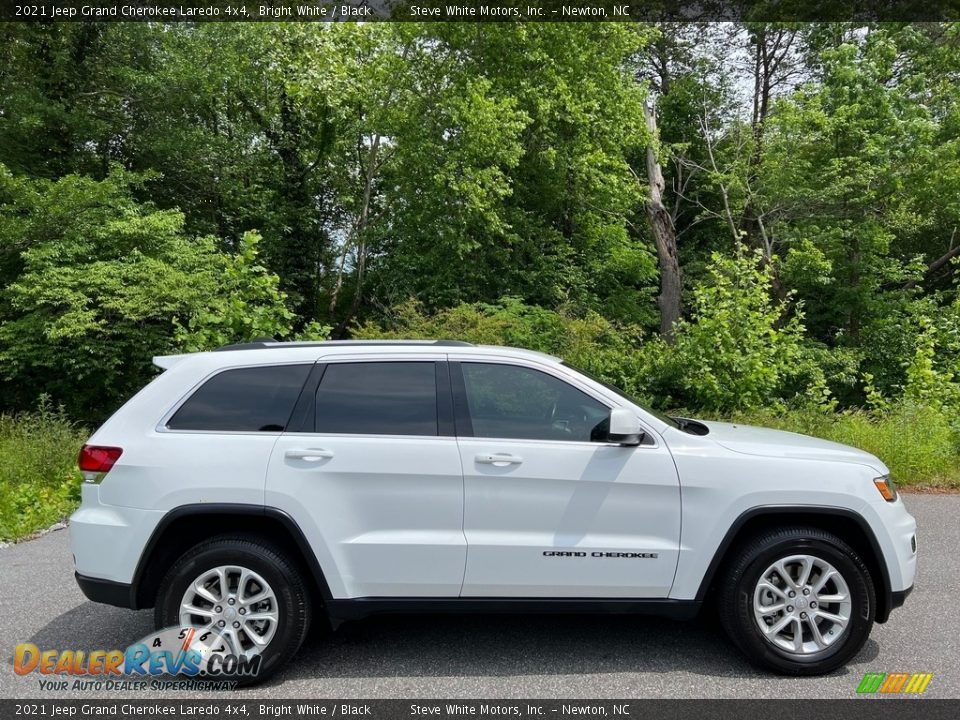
x=664 y=233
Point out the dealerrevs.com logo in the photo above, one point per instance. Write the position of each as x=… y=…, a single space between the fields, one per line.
x=894 y=683
x=197 y=655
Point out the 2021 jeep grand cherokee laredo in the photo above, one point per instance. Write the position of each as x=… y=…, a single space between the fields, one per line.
x=252 y=489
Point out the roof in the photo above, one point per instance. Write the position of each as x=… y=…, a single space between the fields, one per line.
x=268 y=351
x=277 y=345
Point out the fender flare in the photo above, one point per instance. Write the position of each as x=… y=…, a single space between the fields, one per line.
x=886 y=601
x=199 y=509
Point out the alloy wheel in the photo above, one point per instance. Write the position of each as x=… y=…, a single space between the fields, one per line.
x=236 y=603
x=802 y=604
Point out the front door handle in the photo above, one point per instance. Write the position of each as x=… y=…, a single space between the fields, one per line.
x=498 y=459
x=309 y=454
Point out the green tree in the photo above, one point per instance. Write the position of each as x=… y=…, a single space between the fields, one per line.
x=104 y=284
x=735 y=352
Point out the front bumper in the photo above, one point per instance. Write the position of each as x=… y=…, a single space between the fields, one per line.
x=899 y=597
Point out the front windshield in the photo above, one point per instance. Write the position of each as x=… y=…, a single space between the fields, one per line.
x=617 y=391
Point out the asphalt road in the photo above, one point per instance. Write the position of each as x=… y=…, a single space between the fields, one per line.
x=507 y=656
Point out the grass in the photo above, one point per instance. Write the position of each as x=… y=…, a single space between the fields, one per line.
x=920 y=445
x=39 y=480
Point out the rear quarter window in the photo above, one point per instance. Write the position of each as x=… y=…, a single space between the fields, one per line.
x=254 y=399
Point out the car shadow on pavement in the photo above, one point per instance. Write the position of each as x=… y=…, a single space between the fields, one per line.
x=91 y=626
x=511 y=645
x=462 y=645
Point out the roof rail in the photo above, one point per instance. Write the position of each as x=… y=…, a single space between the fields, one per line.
x=266 y=343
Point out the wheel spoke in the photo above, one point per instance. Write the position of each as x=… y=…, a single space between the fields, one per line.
x=767 y=585
x=765 y=610
x=231 y=640
x=265 y=615
x=779 y=625
x=242 y=585
x=204 y=592
x=262 y=595
x=194 y=610
x=254 y=636
x=835 y=598
x=807 y=566
x=823 y=580
x=222 y=579
x=785 y=576
x=815 y=632
x=838 y=619
x=797 y=635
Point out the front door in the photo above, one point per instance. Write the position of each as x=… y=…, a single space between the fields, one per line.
x=551 y=509
x=375 y=481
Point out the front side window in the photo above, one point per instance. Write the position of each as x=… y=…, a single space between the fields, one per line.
x=378 y=398
x=509 y=401
x=255 y=399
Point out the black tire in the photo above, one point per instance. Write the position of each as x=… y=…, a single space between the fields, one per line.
x=259 y=555
x=742 y=573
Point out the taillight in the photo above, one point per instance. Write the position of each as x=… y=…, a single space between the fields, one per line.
x=95 y=461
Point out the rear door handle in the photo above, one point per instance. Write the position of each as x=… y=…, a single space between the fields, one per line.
x=309 y=454
x=498 y=459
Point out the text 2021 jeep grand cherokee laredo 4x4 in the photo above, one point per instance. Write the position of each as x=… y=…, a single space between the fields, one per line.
x=252 y=489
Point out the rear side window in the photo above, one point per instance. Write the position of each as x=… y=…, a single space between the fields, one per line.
x=378 y=398
x=256 y=399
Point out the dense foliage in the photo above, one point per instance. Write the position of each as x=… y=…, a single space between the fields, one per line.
x=43 y=485
x=174 y=188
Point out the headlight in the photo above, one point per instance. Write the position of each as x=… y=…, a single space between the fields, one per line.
x=887 y=487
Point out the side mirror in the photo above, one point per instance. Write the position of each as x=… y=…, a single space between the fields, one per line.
x=624 y=427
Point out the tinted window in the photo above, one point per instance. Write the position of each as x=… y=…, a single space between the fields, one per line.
x=378 y=398
x=508 y=401
x=672 y=422
x=250 y=399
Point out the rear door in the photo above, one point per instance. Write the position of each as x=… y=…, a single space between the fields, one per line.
x=372 y=476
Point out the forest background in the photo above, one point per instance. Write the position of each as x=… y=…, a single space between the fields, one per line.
x=751 y=221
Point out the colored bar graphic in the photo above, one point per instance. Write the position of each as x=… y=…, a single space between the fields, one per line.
x=894 y=683
x=918 y=682
x=871 y=682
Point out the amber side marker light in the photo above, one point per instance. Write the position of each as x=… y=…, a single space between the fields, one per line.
x=886 y=487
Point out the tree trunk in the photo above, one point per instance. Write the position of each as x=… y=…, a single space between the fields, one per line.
x=664 y=235
x=359 y=229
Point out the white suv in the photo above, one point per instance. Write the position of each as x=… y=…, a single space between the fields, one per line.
x=256 y=488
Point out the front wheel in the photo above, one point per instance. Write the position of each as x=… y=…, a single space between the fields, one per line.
x=798 y=601
x=245 y=593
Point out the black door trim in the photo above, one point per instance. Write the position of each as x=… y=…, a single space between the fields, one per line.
x=342 y=610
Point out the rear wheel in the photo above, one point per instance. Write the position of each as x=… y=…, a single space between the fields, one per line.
x=797 y=600
x=246 y=592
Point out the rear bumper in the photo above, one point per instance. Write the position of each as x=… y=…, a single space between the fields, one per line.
x=107 y=540
x=108 y=592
